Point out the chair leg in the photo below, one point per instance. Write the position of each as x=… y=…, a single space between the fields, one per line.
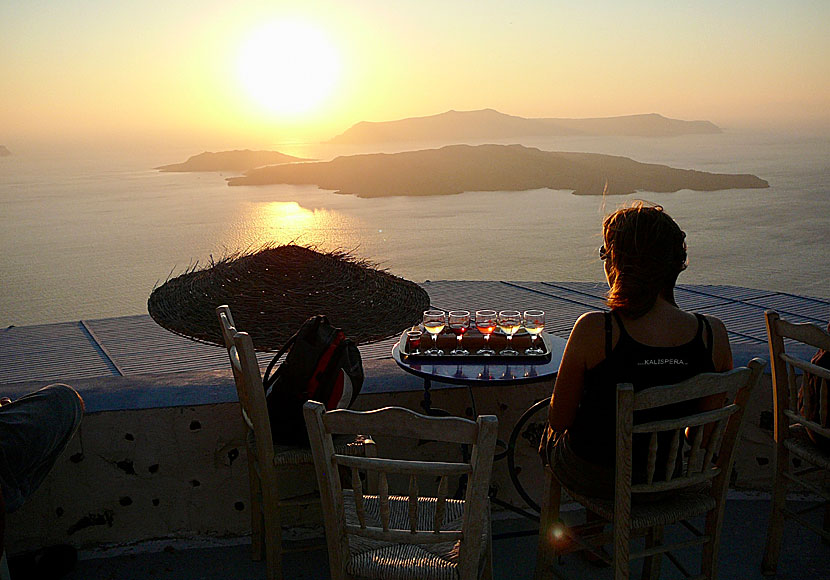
x=709 y=556
x=651 y=564
x=622 y=549
x=775 y=527
x=273 y=538
x=257 y=540
x=488 y=557
x=545 y=549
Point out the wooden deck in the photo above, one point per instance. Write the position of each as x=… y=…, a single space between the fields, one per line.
x=134 y=345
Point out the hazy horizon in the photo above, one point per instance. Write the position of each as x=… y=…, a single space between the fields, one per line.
x=259 y=74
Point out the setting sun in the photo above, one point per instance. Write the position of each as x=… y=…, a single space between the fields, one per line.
x=288 y=67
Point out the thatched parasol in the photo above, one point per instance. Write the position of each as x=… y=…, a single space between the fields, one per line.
x=272 y=291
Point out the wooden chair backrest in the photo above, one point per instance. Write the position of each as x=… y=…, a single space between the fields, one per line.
x=248 y=379
x=400 y=422
x=788 y=370
x=714 y=433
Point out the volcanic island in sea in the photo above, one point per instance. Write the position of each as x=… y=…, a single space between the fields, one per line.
x=457 y=168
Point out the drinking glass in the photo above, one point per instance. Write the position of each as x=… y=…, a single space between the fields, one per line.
x=413 y=341
x=534 y=323
x=459 y=323
x=434 y=322
x=486 y=324
x=509 y=322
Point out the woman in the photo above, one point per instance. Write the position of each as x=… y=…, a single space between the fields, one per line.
x=645 y=340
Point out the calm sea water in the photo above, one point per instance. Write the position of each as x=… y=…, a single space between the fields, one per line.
x=89 y=234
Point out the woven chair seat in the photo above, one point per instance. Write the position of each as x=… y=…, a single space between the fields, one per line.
x=800 y=444
x=296 y=455
x=383 y=560
x=668 y=509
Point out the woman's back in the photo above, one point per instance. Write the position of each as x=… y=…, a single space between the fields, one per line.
x=628 y=360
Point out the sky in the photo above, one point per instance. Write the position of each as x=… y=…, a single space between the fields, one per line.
x=259 y=73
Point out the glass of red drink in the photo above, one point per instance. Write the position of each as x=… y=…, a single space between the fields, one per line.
x=458 y=322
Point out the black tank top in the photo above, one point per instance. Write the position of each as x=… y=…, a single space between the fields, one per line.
x=592 y=435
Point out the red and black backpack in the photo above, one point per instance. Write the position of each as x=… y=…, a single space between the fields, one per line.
x=321 y=365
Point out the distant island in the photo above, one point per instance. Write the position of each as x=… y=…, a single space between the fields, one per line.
x=4 y=152
x=462 y=126
x=238 y=160
x=459 y=168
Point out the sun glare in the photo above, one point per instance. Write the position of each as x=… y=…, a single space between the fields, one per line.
x=288 y=67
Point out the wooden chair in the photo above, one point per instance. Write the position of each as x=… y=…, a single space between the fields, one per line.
x=389 y=537
x=268 y=463
x=791 y=438
x=642 y=508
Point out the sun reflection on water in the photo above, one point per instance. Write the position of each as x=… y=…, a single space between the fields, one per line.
x=283 y=222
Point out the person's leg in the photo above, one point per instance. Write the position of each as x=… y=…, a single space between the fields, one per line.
x=578 y=474
x=34 y=431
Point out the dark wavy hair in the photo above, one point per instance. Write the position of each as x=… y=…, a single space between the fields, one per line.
x=644 y=249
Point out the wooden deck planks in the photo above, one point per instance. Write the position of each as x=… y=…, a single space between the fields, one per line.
x=133 y=345
x=50 y=352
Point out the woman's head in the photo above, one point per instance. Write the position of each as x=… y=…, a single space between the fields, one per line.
x=644 y=251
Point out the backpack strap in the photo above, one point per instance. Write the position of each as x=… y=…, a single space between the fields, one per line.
x=326 y=366
x=267 y=380
x=710 y=338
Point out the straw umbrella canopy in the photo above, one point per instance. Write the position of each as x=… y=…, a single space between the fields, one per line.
x=272 y=291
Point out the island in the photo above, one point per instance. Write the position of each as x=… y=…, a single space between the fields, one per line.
x=238 y=160
x=488 y=124
x=4 y=152
x=459 y=168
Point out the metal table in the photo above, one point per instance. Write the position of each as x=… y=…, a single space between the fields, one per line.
x=482 y=371
x=496 y=370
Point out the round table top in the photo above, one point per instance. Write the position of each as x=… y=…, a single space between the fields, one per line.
x=482 y=371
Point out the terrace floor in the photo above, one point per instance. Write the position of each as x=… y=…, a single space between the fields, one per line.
x=803 y=555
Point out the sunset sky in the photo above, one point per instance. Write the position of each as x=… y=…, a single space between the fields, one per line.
x=257 y=73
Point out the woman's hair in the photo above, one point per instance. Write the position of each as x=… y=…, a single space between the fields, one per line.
x=645 y=251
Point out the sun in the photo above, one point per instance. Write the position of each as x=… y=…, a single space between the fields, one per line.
x=288 y=67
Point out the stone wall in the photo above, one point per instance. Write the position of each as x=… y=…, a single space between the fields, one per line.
x=181 y=471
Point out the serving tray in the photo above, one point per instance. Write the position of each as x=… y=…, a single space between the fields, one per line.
x=473 y=341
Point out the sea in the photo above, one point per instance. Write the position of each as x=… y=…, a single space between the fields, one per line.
x=89 y=232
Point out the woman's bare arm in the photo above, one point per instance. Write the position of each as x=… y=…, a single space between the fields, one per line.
x=586 y=340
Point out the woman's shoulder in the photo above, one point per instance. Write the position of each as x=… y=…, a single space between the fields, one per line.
x=721 y=350
x=591 y=322
x=586 y=343
x=717 y=326
x=589 y=330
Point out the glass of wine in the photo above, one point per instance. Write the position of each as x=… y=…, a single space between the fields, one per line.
x=534 y=323
x=509 y=322
x=459 y=323
x=434 y=322
x=486 y=324
x=413 y=341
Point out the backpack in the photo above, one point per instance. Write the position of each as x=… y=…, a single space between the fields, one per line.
x=321 y=365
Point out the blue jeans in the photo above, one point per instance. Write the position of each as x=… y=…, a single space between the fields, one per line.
x=34 y=431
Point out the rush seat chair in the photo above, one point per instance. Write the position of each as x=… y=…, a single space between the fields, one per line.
x=667 y=495
x=793 y=443
x=269 y=463
x=405 y=533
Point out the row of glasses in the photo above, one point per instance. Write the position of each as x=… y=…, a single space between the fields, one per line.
x=486 y=321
